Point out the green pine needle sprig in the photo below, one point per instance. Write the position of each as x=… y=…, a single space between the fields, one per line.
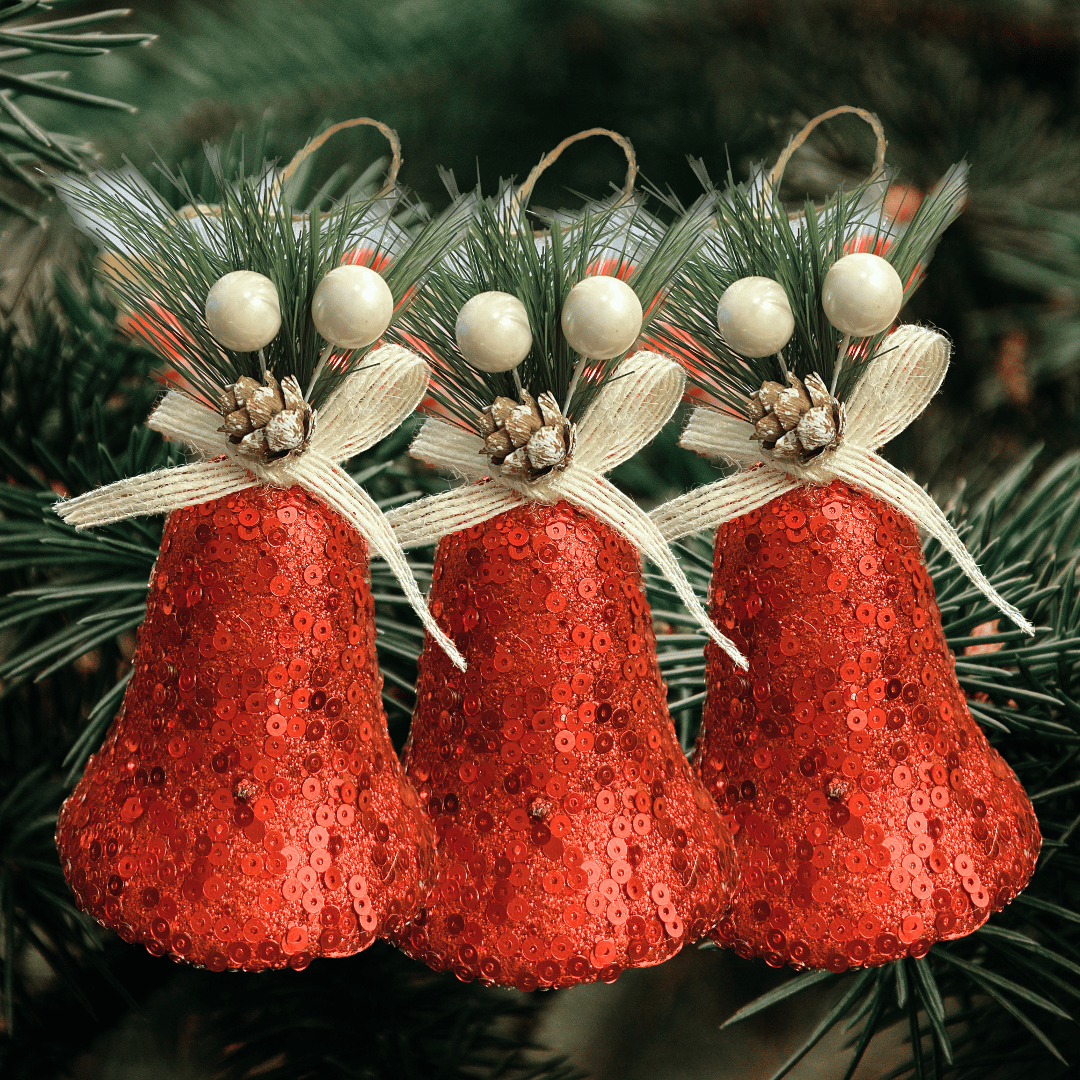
x=621 y=239
x=754 y=236
x=23 y=141
x=167 y=261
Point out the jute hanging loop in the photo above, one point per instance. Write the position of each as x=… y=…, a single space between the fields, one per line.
x=524 y=193
x=361 y=121
x=776 y=173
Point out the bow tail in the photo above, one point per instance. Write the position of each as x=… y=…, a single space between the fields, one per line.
x=712 y=505
x=155 y=493
x=864 y=469
x=605 y=501
x=427 y=520
x=323 y=478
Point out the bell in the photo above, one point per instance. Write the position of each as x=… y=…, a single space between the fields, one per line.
x=871 y=816
x=575 y=840
x=247 y=809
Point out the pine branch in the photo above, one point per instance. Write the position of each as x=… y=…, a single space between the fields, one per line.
x=24 y=141
x=622 y=240
x=755 y=237
x=166 y=261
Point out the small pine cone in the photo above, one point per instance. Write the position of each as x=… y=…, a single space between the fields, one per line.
x=818 y=391
x=243 y=388
x=517 y=463
x=550 y=411
x=796 y=422
x=769 y=395
x=237 y=424
x=254 y=444
x=524 y=420
x=497 y=445
x=526 y=440
x=285 y=431
x=294 y=399
x=792 y=403
x=269 y=421
x=501 y=410
x=546 y=448
x=265 y=402
x=768 y=429
x=817 y=428
x=485 y=423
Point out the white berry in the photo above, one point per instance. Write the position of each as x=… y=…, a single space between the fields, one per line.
x=601 y=317
x=242 y=311
x=493 y=331
x=862 y=294
x=755 y=317
x=352 y=306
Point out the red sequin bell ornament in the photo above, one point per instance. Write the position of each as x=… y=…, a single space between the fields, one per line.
x=247 y=809
x=871 y=816
x=575 y=841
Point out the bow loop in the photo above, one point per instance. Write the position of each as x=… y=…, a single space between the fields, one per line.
x=371 y=403
x=182 y=419
x=450 y=448
x=721 y=435
x=905 y=373
x=641 y=397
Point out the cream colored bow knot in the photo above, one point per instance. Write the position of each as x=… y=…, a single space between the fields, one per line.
x=365 y=408
x=905 y=373
x=627 y=413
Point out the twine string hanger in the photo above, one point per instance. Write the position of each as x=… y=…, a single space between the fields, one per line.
x=776 y=173
x=523 y=194
x=305 y=152
x=198 y=210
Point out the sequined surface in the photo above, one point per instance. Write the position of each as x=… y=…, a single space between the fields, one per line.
x=574 y=839
x=247 y=809
x=871 y=816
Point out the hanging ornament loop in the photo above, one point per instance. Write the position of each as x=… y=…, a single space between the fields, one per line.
x=360 y=121
x=903 y=376
x=524 y=193
x=367 y=406
x=626 y=414
x=776 y=173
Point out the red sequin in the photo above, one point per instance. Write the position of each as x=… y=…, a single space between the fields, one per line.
x=247 y=809
x=575 y=840
x=870 y=814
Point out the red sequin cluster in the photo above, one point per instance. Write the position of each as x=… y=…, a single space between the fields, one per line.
x=247 y=809
x=574 y=839
x=871 y=816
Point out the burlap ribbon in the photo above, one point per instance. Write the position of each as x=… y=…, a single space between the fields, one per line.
x=625 y=415
x=368 y=405
x=903 y=376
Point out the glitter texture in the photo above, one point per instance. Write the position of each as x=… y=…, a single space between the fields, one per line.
x=247 y=809
x=575 y=839
x=870 y=814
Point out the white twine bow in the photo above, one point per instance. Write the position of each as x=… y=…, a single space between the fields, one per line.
x=904 y=374
x=365 y=408
x=627 y=413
